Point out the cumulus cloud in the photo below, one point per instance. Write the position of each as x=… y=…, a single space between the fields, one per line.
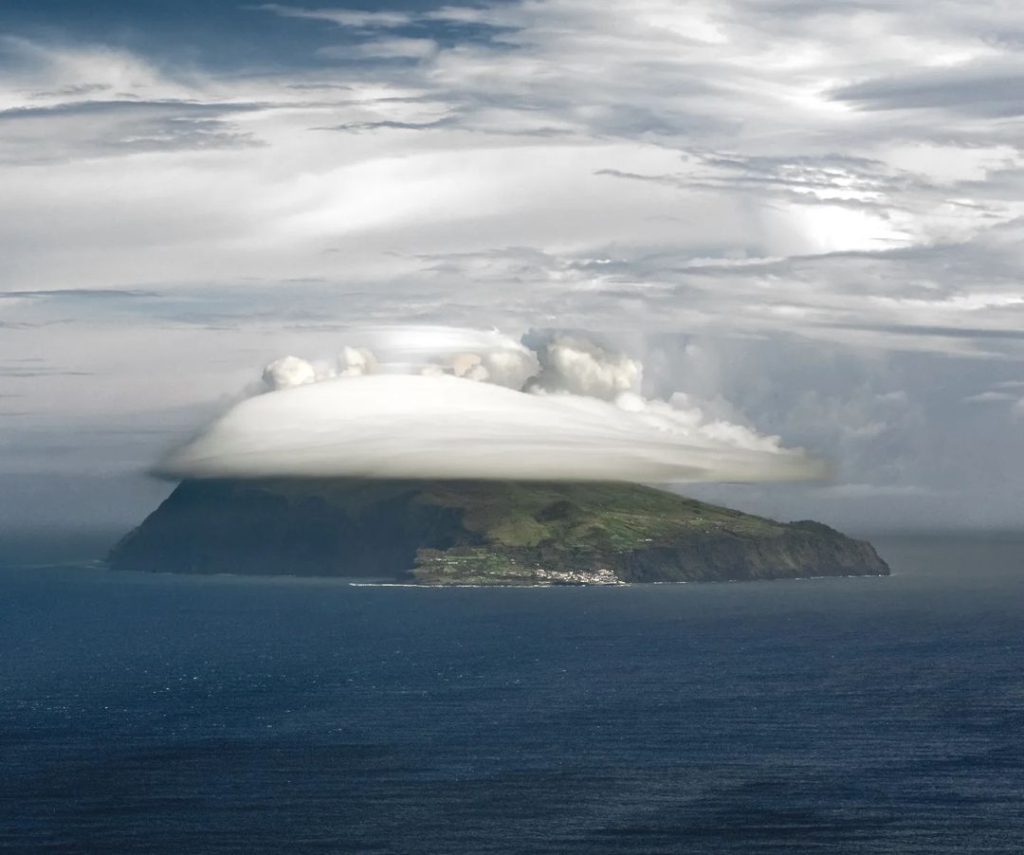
x=581 y=367
x=290 y=371
x=452 y=413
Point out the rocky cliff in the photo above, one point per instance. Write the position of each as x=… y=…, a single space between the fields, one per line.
x=476 y=532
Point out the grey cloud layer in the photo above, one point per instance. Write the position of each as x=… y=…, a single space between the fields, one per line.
x=108 y=128
x=773 y=183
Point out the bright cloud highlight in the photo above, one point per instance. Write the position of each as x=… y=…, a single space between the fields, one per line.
x=569 y=409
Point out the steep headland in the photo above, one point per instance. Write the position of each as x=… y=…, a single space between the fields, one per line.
x=476 y=532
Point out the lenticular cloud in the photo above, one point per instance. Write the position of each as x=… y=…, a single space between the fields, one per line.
x=436 y=403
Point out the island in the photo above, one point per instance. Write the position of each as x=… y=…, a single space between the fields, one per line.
x=476 y=533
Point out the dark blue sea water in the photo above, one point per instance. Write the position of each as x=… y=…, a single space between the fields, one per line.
x=176 y=714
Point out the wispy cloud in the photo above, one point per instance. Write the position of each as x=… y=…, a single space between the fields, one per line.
x=356 y=18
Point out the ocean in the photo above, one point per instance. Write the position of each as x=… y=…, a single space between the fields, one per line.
x=182 y=714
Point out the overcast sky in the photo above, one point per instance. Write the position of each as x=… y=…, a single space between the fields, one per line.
x=807 y=216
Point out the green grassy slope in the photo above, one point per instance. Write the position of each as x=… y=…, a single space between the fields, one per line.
x=530 y=514
x=619 y=516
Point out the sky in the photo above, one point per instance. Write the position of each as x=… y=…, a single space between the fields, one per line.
x=804 y=217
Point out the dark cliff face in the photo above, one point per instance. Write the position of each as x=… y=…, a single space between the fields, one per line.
x=476 y=533
x=265 y=528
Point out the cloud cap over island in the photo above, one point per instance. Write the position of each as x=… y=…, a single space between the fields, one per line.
x=463 y=404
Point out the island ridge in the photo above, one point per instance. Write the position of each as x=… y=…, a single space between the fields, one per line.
x=476 y=533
